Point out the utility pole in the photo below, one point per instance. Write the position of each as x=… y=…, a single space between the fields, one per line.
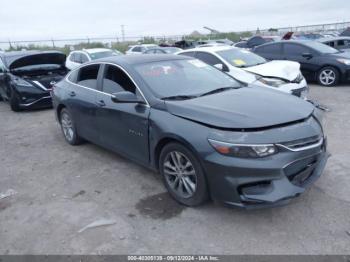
x=123 y=32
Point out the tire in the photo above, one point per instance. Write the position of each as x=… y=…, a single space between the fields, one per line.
x=184 y=179
x=14 y=103
x=68 y=128
x=328 y=76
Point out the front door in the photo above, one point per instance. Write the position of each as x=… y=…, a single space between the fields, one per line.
x=123 y=127
x=294 y=52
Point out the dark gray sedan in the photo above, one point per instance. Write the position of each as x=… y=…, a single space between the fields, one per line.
x=207 y=135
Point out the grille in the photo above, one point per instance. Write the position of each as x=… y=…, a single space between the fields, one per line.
x=300 y=144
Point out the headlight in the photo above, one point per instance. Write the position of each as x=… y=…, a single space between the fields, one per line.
x=271 y=81
x=242 y=150
x=344 y=61
x=21 y=82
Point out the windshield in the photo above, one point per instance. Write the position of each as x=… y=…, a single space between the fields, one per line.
x=190 y=77
x=241 y=58
x=103 y=54
x=322 y=48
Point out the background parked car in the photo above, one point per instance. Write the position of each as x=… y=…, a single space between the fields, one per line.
x=340 y=43
x=27 y=77
x=76 y=58
x=255 y=41
x=318 y=61
x=250 y=68
x=162 y=50
x=139 y=49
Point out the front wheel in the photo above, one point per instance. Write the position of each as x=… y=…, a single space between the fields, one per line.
x=328 y=76
x=68 y=128
x=183 y=175
x=14 y=103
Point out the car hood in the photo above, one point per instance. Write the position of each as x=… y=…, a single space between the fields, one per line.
x=244 y=108
x=287 y=70
x=37 y=58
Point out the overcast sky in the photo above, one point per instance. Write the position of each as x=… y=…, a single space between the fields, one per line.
x=41 y=19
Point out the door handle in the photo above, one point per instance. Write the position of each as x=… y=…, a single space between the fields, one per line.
x=101 y=103
x=72 y=94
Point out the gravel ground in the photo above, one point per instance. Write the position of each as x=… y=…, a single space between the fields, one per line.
x=61 y=189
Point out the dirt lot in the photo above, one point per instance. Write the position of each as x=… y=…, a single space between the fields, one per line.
x=60 y=189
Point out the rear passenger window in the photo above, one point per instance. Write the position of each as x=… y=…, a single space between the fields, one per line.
x=72 y=57
x=115 y=80
x=88 y=76
x=294 y=49
x=269 y=49
x=191 y=54
x=137 y=49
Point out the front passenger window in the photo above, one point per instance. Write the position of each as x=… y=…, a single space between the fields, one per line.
x=88 y=76
x=115 y=80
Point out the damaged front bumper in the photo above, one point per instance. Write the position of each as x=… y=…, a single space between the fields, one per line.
x=268 y=182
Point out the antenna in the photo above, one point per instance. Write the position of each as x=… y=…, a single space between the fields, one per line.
x=123 y=32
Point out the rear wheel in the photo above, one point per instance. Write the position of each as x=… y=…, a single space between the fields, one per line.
x=183 y=175
x=68 y=128
x=14 y=103
x=328 y=76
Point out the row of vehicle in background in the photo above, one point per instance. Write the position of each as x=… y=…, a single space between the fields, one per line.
x=319 y=62
x=250 y=68
x=76 y=58
x=340 y=42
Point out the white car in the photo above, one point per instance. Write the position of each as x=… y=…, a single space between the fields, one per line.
x=250 y=68
x=139 y=49
x=76 y=58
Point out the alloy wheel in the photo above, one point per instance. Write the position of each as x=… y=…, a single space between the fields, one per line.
x=67 y=126
x=180 y=174
x=327 y=77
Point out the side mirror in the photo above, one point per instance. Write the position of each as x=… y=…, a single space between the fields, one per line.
x=307 y=55
x=126 y=97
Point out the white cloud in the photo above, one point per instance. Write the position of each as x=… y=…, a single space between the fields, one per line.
x=42 y=19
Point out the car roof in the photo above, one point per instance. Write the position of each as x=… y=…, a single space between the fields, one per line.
x=328 y=39
x=141 y=59
x=216 y=48
x=96 y=50
x=286 y=41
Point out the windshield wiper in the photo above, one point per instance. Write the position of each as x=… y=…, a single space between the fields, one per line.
x=179 y=97
x=219 y=90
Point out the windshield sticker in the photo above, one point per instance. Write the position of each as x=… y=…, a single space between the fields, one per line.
x=197 y=63
x=239 y=62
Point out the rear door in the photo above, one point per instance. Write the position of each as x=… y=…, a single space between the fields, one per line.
x=123 y=127
x=296 y=52
x=81 y=100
